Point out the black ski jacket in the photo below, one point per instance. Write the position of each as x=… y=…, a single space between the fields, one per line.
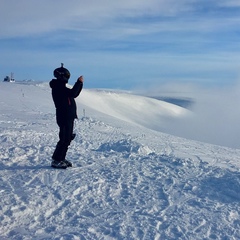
x=63 y=99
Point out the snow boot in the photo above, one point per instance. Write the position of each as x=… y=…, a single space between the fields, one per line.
x=57 y=164
x=68 y=163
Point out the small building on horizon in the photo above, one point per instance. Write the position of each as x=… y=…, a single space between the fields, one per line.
x=9 y=79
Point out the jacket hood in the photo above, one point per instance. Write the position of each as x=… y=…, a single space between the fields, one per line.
x=56 y=83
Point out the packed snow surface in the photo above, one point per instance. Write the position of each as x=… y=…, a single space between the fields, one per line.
x=128 y=181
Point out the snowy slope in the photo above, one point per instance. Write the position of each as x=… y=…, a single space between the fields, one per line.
x=135 y=109
x=128 y=181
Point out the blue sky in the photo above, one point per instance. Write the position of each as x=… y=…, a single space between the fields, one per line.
x=124 y=44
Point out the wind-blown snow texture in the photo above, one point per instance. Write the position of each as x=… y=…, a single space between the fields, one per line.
x=128 y=182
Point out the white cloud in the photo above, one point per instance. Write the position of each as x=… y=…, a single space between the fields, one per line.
x=229 y=3
x=215 y=117
x=26 y=17
x=155 y=40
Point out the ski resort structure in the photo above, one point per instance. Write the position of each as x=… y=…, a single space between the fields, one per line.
x=9 y=79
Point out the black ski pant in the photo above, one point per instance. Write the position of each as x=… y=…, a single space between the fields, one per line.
x=65 y=138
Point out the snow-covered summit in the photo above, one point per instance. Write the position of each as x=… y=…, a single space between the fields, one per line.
x=128 y=181
x=135 y=109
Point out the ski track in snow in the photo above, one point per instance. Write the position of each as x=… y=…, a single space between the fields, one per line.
x=127 y=182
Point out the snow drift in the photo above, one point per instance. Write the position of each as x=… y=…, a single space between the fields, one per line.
x=135 y=109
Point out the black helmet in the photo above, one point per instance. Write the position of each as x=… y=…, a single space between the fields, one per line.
x=61 y=74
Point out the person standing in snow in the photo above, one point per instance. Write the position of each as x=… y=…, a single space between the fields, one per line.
x=66 y=112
